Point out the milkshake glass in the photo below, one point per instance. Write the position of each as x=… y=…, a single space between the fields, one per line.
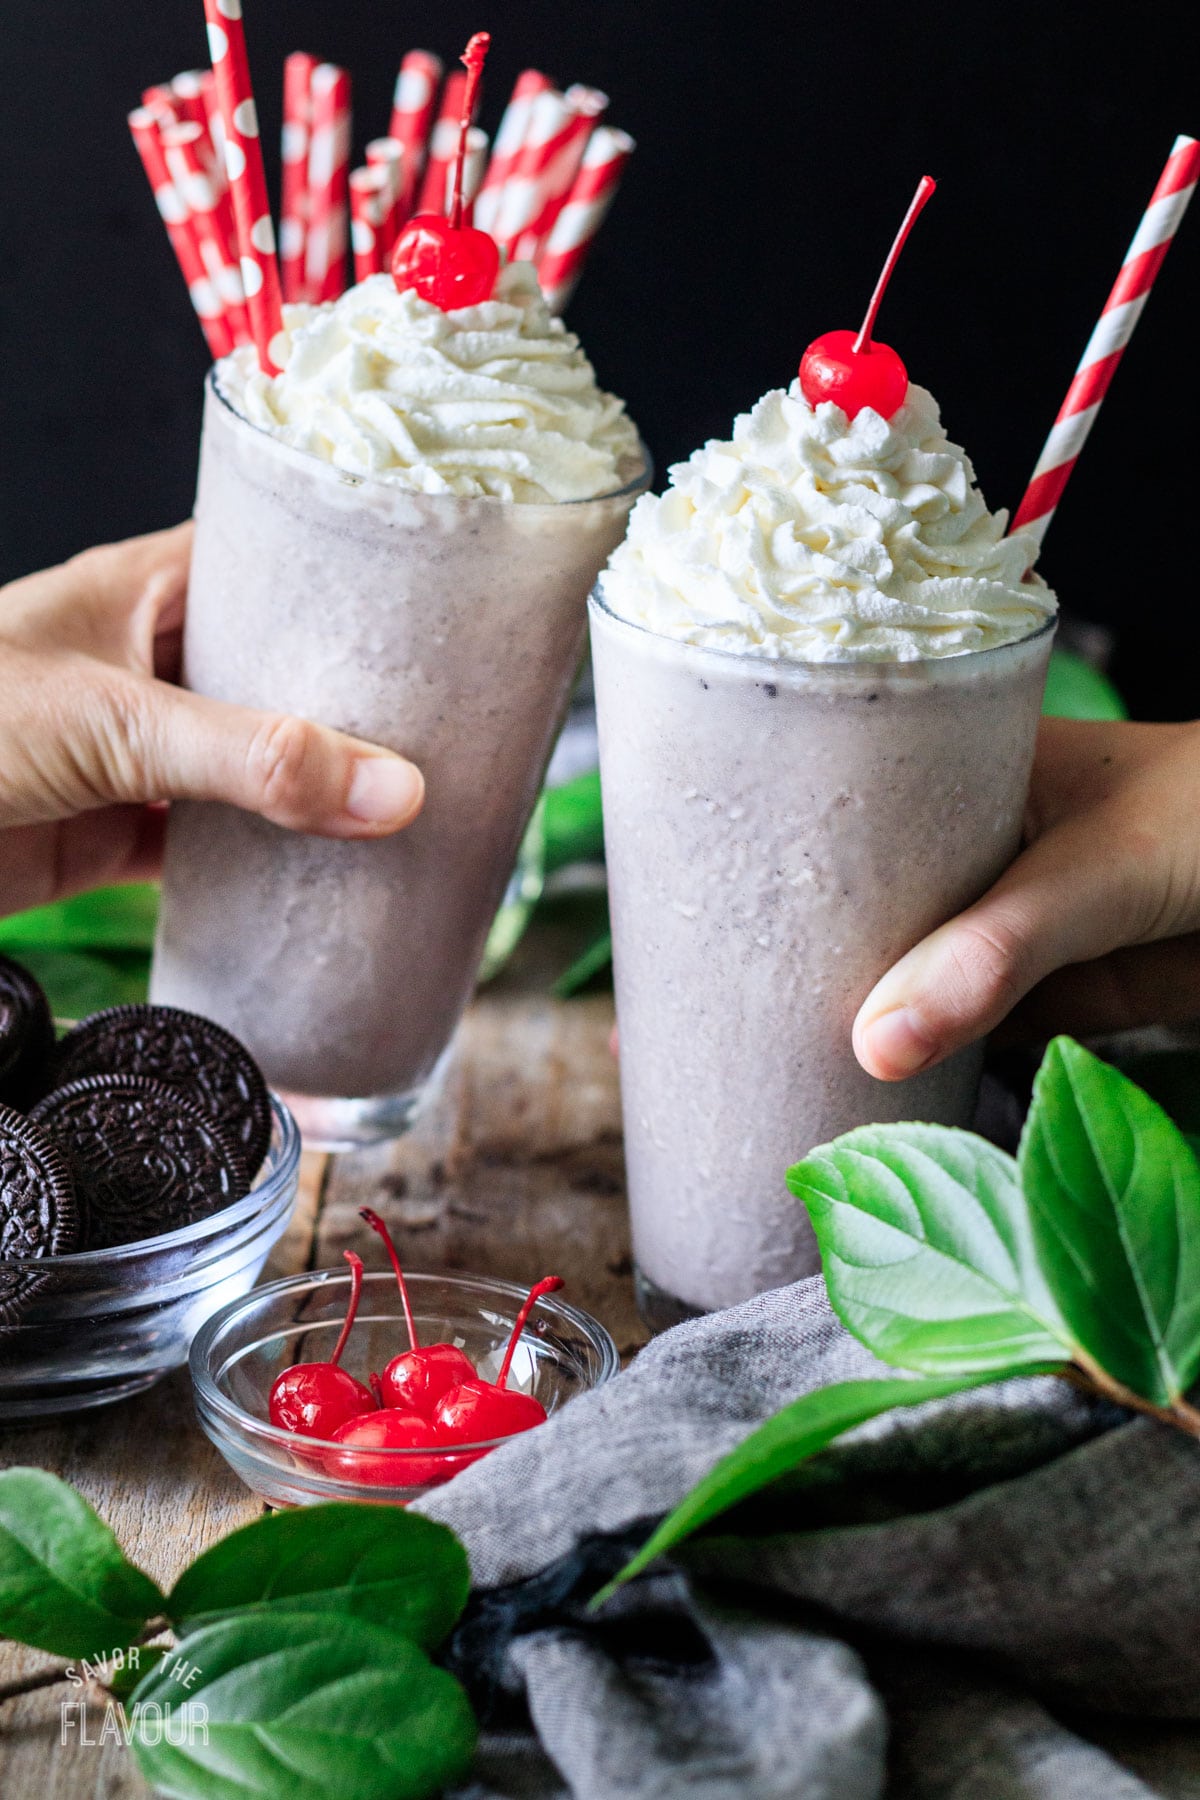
x=448 y=628
x=778 y=832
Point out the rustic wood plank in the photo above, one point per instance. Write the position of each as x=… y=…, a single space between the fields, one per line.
x=515 y=1170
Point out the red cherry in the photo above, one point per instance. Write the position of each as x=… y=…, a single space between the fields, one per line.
x=415 y=1380
x=845 y=366
x=316 y=1399
x=389 y=1429
x=477 y=1410
x=448 y=263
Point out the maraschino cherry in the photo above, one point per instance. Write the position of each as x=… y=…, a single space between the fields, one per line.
x=445 y=261
x=477 y=1410
x=316 y=1399
x=846 y=367
x=391 y=1428
x=415 y=1380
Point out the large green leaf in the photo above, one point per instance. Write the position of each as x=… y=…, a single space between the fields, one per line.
x=111 y=918
x=65 y=1585
x=369 y=1562
x=300 y=1706
x=1076 y=690
x=574 y=822
x=1114 y=1196
x=927 y=1251
x=80 y=982
x=786 y=1440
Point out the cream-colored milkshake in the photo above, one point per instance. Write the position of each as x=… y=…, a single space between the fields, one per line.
x=818 y=673
x=395 y=537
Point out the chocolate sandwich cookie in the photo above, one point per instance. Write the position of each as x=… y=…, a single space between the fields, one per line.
x=26 y=1036
x=145 y=1159
x=38 y=1216
x=184 y=1050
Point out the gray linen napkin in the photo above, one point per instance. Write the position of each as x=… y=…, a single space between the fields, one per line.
x=985 y=1598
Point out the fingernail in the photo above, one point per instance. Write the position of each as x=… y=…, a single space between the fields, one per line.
x=899 y=1042
x=384 y=790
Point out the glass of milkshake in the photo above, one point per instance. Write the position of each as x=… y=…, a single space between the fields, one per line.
x=819 y=665
x=396 y=537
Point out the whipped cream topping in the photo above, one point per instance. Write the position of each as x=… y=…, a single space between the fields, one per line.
x=492 y=399
x=817 y=538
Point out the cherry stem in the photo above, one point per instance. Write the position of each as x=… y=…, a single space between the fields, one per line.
x=550 y=1285
x=376 y=1223
x=925 y=191
x=376 y=1387
x=356 y=1280
x=474 y=56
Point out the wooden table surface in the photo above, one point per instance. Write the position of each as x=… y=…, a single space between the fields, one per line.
x=515 y=1170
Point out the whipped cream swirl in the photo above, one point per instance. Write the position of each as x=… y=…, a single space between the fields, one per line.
x=492 y=399
x=817 y=538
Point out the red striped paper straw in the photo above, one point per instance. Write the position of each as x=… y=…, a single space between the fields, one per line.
x=328 y=196
x=144 y=126
x=247 y=180
x=194 y=186
x=510 y=136
x=593 y=192
x=293 y=193
x=388 y=153
x=1122 y=310
x=474 y=164
x=560 y=169
x=413 y=106
x=370 y=206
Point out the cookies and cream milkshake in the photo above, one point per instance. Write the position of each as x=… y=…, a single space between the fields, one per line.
x=395 y=536
x=819 y=664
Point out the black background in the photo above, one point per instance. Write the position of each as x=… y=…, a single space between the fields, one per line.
x=778 y=148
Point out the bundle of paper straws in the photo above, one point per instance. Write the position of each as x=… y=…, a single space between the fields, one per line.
x=542 y=193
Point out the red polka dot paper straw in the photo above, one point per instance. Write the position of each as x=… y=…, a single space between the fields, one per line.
x=247 y=180
x=1106 y=346
x=293 y=194
x=575 y=228
x=328 y=195
x=413 y=106
x=370 y=204
x=160 y=101
x=193 y=183
x=387 y=153
x=145 y=128
x=509 y=138
x=187 y=92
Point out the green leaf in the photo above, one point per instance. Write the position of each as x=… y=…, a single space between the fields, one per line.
x=1172 y=1077
x=784 y=1441
x=927 y=1251
x=300 y=1706
x=383 y=1564
x=574 y=822
x=585 y=967
x=77 y=984
x=123 y=1680
x=65 y=1585
x=1114 y=1197
x=1076 y=690
x=111 y=918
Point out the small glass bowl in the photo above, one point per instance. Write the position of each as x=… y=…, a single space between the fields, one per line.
x=106 y=1323
x=239 y=1352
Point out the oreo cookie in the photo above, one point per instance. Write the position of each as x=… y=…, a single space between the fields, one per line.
x=185 y=1051
x=26 y=1036
x=38 y=1215
x=144 y=1158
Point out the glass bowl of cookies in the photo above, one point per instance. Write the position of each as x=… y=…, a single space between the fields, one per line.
x=145 y=1173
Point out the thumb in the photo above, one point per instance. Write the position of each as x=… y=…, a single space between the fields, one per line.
x=185 y=746
x=1066 y=899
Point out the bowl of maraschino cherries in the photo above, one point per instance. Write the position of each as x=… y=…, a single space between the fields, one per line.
x=356 y=1384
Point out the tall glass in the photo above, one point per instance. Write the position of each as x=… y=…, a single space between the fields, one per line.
x=777 y=835
x=448 y=629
